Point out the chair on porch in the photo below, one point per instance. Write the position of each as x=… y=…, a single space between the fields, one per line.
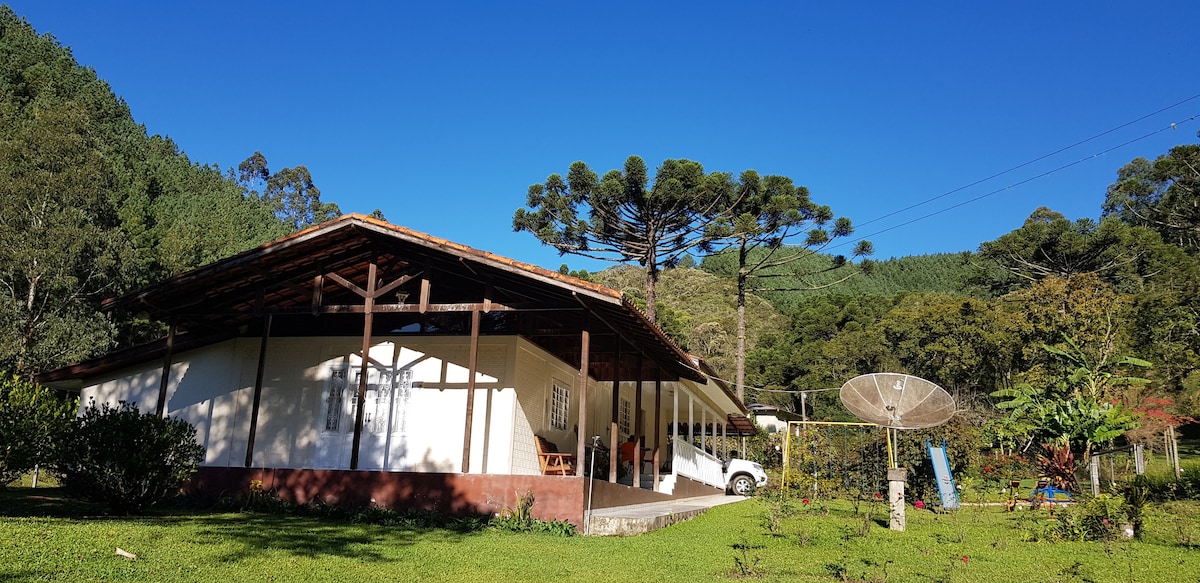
x=627 y=450
x=552 y=461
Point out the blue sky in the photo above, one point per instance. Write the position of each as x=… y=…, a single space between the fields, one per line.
x=442 y=114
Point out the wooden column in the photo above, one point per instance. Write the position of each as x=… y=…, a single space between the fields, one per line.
x=614 y=433
x=471 y=360
x=657 y=426
x=675 y=434
x=368 y=321
x=580 y=434
x=638 y=430
x=258 y=383
x=160 y=408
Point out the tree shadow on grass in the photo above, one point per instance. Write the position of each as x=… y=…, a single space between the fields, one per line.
x=232 y=536
x=249 y=535
x=25 y=502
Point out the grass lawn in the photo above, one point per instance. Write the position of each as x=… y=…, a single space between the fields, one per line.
x=46 y=538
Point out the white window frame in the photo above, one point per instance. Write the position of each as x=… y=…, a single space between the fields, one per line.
x=560 y=406
x=333 y=406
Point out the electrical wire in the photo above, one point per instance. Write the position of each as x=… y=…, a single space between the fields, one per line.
x=1033 y=161
x=1170 y=127
x=762 y=390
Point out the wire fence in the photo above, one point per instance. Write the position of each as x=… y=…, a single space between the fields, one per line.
x=835 y=459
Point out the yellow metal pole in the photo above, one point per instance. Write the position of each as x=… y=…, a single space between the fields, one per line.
x=890 y=445
x=787 y=455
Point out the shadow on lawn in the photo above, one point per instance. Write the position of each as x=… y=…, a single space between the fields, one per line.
x=24 y=502
x=252 y=534
x=244 y=534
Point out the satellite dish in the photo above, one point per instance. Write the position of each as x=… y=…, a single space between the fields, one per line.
x=897 y=401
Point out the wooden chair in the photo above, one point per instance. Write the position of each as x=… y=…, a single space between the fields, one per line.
x=553 y=462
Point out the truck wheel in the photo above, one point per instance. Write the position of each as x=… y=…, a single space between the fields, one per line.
x=742 y=485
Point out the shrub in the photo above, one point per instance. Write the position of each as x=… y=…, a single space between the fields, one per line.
x=1164 y=487
x=126 y=460
x=520 y=519
x=32 y=422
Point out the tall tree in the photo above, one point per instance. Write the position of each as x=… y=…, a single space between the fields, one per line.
x=63 y=247
x=1162 y=195
x=624 y=216
x=290 y=193
x=766 y=213
x=1050 y=245
x=253 y=173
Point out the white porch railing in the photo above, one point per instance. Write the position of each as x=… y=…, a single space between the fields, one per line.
x=697 y=464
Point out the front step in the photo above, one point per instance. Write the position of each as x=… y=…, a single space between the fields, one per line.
x=642 y=518
x=666 y=484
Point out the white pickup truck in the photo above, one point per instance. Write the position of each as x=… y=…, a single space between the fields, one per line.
x=743 y=476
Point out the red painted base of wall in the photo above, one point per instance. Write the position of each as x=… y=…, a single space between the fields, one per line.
x=555 y=497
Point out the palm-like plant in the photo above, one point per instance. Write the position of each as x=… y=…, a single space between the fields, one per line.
x=1056 y=462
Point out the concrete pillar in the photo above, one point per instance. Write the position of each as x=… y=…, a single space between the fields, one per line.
x=896 y=479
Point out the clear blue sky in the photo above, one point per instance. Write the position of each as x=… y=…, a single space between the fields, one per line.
x=442 y=114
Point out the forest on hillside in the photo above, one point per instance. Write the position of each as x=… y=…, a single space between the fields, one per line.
x=1093 y=323
x=91 y=206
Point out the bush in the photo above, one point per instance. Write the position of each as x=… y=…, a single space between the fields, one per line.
x=126 y=460
x=1164 y=487
x=521 y=520
x=32 y=423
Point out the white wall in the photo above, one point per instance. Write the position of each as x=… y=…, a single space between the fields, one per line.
x=212 y=388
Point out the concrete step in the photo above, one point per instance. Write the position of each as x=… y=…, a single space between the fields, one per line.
x=642 y=518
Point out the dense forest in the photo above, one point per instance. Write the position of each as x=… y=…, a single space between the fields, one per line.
x=1056 y=311
x=91 y=206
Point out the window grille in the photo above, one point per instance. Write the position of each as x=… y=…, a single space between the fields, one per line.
x=559 y=407
x=333 y=399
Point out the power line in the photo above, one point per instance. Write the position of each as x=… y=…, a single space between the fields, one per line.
x=1172 y=126
x=762 y=390
x=1034 y=161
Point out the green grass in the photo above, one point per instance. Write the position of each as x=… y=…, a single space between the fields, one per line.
x=45 y=538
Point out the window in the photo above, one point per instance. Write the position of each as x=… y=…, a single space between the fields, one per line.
x=560 y=404
x=333 y=399
x=381 y=417
x=623 y=418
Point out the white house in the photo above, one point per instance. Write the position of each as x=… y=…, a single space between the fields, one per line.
x=359 y=361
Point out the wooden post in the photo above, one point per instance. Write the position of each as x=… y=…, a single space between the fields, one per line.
x=657 y=425
x=614 y=443
x=675 y=433
x=637 y=427
x=581 y=429
x=161 y=407
x=1174 y=451
x=471 y=360
x=368 y=321
x=258 y=382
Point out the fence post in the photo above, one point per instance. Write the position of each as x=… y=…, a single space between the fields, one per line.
x=1094 y=470
x=1174 y=450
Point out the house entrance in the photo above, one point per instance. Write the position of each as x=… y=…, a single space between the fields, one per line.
x=385 y=419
